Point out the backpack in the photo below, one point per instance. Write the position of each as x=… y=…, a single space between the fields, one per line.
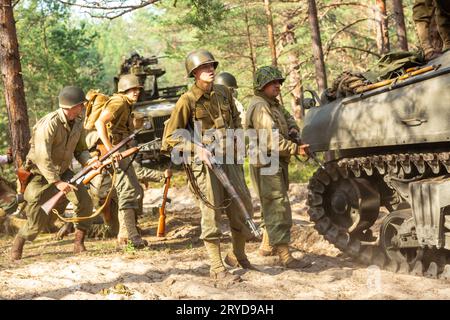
x=95 y=104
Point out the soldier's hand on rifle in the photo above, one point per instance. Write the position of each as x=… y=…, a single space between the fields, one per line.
x=203 y=154
x=303 y=150
x=167 y=173
x=64 y=186
x=94 y=162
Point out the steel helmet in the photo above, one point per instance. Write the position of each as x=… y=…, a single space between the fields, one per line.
x=226 y=79
x=71 y=96
x=198 y=58
x=266 y=74
x=127 y=82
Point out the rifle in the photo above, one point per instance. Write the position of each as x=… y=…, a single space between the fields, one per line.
x=312 y=155
x=222 y=177
x=162 y=210
x=80 y=176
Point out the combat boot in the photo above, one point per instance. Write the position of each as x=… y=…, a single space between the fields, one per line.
x=78 y=244
x=128 y=231
x=217 y=270
x=265 y=249
x=17 y=248
x=423 y=33
x=237 y=257
x=287 y=260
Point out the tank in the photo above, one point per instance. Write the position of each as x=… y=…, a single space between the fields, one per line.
x=384 y=195
x=155 y=104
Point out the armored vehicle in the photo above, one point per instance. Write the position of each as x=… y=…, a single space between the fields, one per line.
x=384 y=195
x=155 y=104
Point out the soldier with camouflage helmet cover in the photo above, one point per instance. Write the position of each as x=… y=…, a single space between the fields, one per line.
x=56 y=138
x=265 y=114
x=212 y=106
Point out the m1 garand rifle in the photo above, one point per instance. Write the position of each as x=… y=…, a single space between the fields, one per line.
x=296 y=138
x=89 y=172
x=218 y=171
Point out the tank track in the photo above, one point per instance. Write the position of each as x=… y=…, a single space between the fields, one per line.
x=372 y=167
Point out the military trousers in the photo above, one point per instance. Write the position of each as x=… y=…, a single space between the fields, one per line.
x=275 y=207
x=38 y=191
x=128 y=191
x=216 y=194
x=423 y=11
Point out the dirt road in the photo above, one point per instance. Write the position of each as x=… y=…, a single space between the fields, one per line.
x=176 y=267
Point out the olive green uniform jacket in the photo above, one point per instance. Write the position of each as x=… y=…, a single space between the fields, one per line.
x=198 y=105
x=267 y=114
x=52 y=146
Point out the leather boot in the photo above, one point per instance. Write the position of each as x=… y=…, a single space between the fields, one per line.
x=78 y=244
x=237 y=257
x=17 y=248
x=217 y=270
x=128 y=231
x=265 y=249
x=287 y=260
x=423 y=33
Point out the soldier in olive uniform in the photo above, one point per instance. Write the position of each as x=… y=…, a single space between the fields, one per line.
x=266 y=113
x=212 y=106
x=113 y=125
x=228 y=80
x=423 y=11
x=55 y=139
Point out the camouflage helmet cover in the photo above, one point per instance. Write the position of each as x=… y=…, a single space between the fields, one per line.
x=127 y=82
x=198 y=58
x=71 y=96
x=266 y=74
x=226 y=79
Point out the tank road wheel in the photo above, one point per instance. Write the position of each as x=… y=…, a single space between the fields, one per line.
x=395 y=225
x=343 y=208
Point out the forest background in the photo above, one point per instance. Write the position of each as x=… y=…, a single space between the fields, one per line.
x=61 y=43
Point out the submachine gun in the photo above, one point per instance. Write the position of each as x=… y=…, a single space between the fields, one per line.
x=296 y=138
x=89 y=172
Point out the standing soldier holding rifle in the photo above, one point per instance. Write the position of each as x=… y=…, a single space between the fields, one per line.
x=266 y=114
x=55 y=139
x=212 y=106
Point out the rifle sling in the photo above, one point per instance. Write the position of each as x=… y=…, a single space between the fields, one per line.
x=199 y=194
x=97 y=212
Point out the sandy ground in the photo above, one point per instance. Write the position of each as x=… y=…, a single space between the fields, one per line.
x=176 y=267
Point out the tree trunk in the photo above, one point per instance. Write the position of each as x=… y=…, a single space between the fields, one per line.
x=270 y=34
x=294 y=77
x=401 y=27
x=249 y=42
x=382 y=27
x=13 y=83
x=321 y=76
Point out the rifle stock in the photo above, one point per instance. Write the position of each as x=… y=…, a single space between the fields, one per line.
x=162 y=211
x=52 y=202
